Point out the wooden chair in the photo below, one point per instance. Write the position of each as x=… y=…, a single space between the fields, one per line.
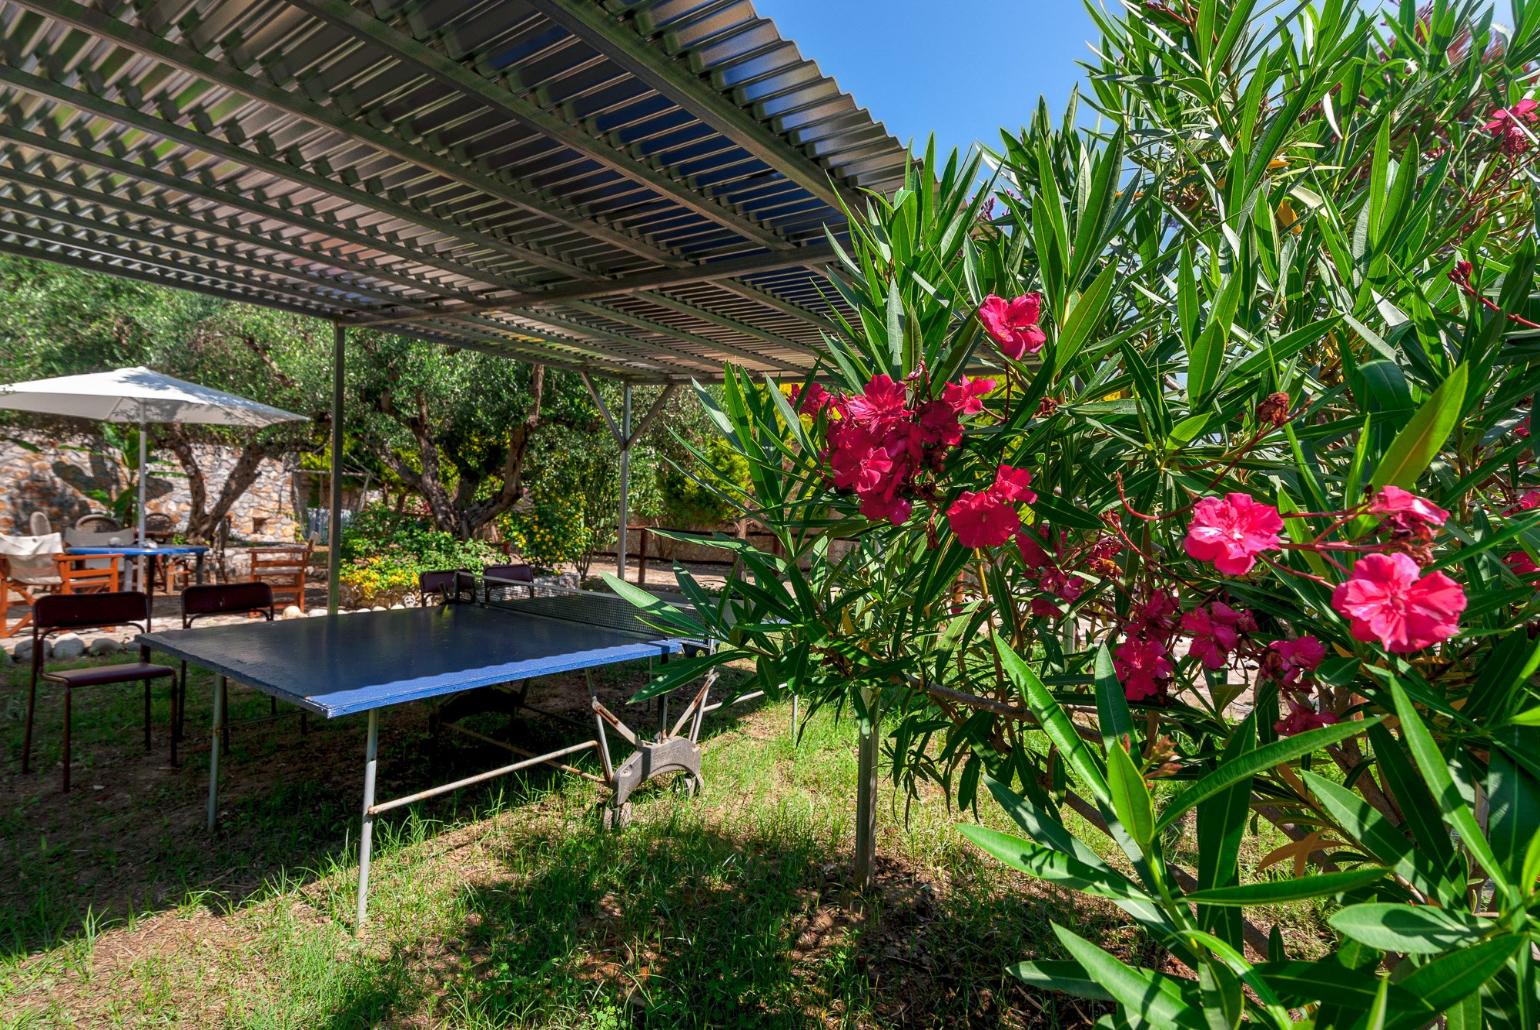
x=201 y=602
x=88 y=573
x=283 y=568
x=26 y=570
x=59 y=612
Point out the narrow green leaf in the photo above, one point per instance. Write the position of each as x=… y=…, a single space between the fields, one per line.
x=1283 y=891
x=1413 y=929
x=1111 y=703
x=1147 y=1001
x=1052 y=866
x=1420 y=440
x=1130 y=796
x=1260 y=760
x=1451 y=978
x=1089 y=310
x=1054 y=721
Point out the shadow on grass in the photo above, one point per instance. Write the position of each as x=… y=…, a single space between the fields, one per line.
x=130 y=838
x=677 y=923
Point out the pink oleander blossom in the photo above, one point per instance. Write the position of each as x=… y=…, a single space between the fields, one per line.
x=1213 y=633
x=1520 y=564
x=1301 y=718
x=881 y=403
x=1013 y=324
x=1388 y=599
x=811 y=400
x=988 y=518
x=1142 y=666
x=966 y=396
x=1529 y=500
x=1508 y=125
x=1401 y=504
x=1231 y=531
x=1290 y=661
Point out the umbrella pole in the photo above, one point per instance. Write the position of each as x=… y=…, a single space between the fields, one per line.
x=142 y=472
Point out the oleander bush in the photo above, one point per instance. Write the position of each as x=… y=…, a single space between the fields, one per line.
x=1193 y=511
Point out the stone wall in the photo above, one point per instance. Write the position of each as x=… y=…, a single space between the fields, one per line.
x=56 y=476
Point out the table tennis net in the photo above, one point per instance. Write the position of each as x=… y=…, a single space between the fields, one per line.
x=582 y=607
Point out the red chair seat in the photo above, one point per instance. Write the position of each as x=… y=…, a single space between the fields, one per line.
x=97 y=675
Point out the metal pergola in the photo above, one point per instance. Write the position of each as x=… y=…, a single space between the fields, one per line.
x=635 y=189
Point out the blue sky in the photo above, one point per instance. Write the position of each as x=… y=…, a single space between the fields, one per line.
x=961 y=69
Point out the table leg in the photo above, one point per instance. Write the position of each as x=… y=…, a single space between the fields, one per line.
x=366 y=836
x=147 y=581
x=198 y=568
x=219 y=728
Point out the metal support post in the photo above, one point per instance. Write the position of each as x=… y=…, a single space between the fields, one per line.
x=866 y=795
x=366 y=835
x=334 y=520
x=623 y=516
x=219 y=732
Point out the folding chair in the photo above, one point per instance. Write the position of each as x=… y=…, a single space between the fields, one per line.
x=200 y=602
x=26 y=570
x=58 y=612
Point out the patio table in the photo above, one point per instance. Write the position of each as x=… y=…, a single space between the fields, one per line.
x=147 y=555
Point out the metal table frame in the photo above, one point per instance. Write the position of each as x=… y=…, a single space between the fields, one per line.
x=674 y=748
x=147 y=556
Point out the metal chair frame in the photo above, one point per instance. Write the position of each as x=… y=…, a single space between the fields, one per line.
x=56 y=613
x=203 y=601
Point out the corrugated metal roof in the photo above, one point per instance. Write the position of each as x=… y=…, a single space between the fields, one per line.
x=638 y=188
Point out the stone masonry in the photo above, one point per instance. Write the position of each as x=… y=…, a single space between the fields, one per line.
x=39 y=473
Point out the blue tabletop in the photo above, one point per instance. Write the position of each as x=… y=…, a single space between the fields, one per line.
x=135 y=550
x=343 y=664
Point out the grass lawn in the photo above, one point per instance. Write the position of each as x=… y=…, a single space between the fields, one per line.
x=505 y=905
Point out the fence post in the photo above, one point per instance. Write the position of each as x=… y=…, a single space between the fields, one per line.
x=866 y=793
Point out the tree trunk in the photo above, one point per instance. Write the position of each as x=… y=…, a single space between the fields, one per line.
x=456 y=512
x=203 y=519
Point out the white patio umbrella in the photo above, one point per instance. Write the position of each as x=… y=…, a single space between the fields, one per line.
x=139 y=395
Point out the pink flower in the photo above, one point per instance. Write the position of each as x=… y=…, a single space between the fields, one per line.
x=981 y=519
x=1013 y=324
x=1529 y=500
x=1302 y=718
x=939 y=427
x=1142 y=667
x=882 y=402
x=1032 y=553
x=1231 y=531
x=1389 y=600
x=812 y=400
x=1394 y=501
x=1011 y=485
x=1507 y=124
x=966 y=396
x=1290 y=660
x=1520 y=564
x=1214 y=634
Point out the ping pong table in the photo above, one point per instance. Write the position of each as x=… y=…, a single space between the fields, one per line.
x=480 y=637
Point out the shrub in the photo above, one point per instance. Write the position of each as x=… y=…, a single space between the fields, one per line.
x=550 y=531
x=1189 y=489
x=694 y=491
x=384 y=550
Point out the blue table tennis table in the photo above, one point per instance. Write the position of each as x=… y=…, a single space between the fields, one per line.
x=364 y=662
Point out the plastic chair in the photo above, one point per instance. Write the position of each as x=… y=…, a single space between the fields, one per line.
x=38 y=523
x=58 y=612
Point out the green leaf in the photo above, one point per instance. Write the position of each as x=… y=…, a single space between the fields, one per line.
x=1435 y=770
x=1413 y=929
x=1253 y=762
x=1148 y=1001
x=1089 y=310
x=1054 y=721
x=1111 y=703
x=1052 y=866
x=1420 y=440
x=1451 y=978
x=1283 y=891
x=1130 y=796
x=1059 y=975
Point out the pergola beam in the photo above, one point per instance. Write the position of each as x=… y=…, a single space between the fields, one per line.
x=806 y=257
x=601 y=30
x=522 y=194
x=505 y=99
